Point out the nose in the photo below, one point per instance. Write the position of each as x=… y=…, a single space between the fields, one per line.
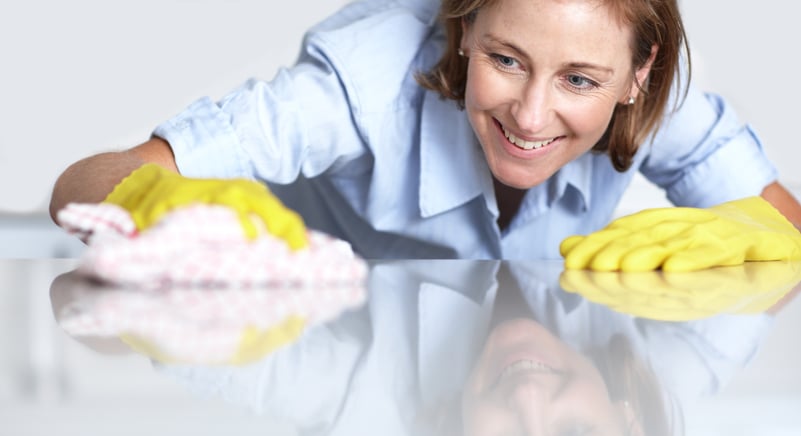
x=532 y=406
x=533 y=110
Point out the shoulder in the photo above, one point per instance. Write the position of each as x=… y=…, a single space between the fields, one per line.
x=375 y=47
x=360 y=10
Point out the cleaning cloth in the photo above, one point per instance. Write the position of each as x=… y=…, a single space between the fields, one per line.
x=203 y=245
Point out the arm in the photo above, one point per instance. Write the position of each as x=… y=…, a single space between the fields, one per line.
x=92 y=179
x=784 y=201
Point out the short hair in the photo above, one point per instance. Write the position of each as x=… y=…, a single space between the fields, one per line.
x=653 y=22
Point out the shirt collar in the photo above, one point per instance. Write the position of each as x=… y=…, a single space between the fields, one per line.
x=577 y=175
x=453 y=169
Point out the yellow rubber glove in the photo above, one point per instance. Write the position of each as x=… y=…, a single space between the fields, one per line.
x=687 y=239
x=752 y=287
x=151 y=191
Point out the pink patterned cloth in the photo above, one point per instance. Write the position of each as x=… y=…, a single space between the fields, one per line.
x=203 y=246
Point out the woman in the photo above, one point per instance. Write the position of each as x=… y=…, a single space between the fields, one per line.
x=551 y=91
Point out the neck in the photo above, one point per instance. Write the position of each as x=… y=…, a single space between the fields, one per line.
x=508 y=200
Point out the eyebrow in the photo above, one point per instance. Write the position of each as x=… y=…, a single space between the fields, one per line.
x=587 y=65
x=576 y=65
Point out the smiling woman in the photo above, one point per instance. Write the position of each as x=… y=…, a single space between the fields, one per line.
x=492 y=129
x=544 y=82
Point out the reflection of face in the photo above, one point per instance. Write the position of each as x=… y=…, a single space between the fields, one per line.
x=548 y=72
x=527 y=382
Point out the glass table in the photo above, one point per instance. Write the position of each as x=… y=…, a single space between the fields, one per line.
x=411 y=348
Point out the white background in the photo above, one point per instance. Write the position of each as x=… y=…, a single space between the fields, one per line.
x=86 y=76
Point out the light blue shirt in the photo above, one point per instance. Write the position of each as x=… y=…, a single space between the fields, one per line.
x=349 y=139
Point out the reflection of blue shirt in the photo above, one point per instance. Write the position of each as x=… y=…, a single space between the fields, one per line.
x=389 y=368
x=348 y=138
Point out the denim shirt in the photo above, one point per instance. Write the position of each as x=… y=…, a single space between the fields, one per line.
x=349 y=139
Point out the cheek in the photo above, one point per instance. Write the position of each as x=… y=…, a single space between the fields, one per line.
x=485 y=90
x=475 y=94
x=480 y=419
x=591 y=383
x=589 y=118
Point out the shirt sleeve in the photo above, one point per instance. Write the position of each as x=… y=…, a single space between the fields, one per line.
x=703 y=155
x=305 y=382
x=352 y=77
x=704 y=355
x=299 y=122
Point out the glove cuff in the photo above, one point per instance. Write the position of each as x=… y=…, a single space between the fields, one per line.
x=144 y=176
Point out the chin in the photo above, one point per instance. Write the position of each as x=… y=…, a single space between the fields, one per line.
x=517 y=180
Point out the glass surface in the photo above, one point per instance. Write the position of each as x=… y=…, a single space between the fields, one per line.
x=406 y=348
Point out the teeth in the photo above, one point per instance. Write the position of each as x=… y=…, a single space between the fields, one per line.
x=527 y=366
x=526 y=145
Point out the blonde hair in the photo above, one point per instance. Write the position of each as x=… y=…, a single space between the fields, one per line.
x=653 y=23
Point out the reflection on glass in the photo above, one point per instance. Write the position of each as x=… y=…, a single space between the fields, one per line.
x=753 y=287
x=196 y=325
x=449 y=347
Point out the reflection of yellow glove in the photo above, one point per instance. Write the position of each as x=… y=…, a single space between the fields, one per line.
x=687 y=239
x=150 y=191
x=254 y=344
x=681 y=296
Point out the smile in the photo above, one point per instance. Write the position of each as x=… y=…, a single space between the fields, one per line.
x=526 y=145
x=526 y=366
x=523 y=369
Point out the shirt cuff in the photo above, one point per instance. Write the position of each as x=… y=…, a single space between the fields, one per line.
x=204 y=143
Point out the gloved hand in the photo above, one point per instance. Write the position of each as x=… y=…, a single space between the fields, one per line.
x=752 y=287
x=687 y=239
x=151 y=191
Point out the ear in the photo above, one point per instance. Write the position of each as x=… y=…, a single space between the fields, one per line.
x=641 y=74
x=466 y=32
x=630 y=421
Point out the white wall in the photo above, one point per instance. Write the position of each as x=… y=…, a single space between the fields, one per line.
x=748 y=52
x=84 y=76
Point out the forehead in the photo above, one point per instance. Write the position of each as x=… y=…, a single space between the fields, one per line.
x=591 y=27
x=603 y=13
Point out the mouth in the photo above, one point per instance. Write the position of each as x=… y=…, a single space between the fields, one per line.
x=524 y=144
x=526 y=366
x=521 y=369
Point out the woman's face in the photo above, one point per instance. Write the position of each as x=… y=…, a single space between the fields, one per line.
x=527 y=382
x=543 y=79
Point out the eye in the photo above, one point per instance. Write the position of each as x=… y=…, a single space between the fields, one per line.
x=505 y=62
x=580 y=82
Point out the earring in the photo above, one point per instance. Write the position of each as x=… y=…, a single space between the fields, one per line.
x=460 y=52
x=631 y=100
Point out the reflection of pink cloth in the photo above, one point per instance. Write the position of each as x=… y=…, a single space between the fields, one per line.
x=202 y=245
x=196 y=325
